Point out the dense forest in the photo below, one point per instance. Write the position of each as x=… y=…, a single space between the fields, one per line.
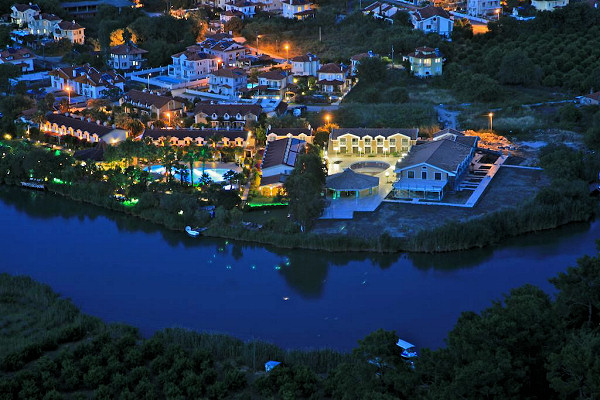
x=527 y=345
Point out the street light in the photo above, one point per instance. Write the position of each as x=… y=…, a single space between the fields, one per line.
x=327 y=118
x=148 y=85
x=491 y=116
x=287 y=51
x=68 y=89
x=257 y=50
x=498 y=12
x=169 y=116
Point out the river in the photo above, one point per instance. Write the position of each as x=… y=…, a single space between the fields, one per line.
x=122 y=269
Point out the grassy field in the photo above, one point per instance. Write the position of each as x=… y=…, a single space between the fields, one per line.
x=510 y=187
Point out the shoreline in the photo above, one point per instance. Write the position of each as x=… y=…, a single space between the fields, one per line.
x=384 y=244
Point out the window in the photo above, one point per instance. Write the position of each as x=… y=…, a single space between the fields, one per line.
x=393 y=142
x=410 y=174
x=424 y=175
x=438 y=176
x=368 y=141
x=343 y=141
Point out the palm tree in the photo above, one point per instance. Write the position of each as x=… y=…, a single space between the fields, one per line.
x=191 y=156
x=205 y=153
x=214 y=141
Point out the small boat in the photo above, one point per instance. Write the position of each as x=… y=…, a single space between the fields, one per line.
x=408 y=350
x=31 y=184
x=194 y=232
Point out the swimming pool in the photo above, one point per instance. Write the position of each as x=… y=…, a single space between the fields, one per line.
x=216 y=174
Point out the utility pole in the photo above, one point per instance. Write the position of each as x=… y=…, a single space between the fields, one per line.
x=319 y=34
x=392 y=56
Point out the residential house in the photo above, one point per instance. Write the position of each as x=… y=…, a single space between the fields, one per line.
x=355 y=60
x=456 y=136
x=200 y=137
x=384 y=141
x=86 y=81
x=84 y=129
x=548 y=5
x=273 y=83
x=304 y=134
x=19 y=56
x=227 y=115
x=71 y=31
x=381 y=10
x=331 y=78
x=272 y=6
x=483 y=8
x=306 y=65
x=433 y=168
x=193 y=64
x=227 y=81
x=89 y=8
x=152 y=104
x=44 y=24
x=224 y=47
x=277 y=163
x=425 y=62
x=24 y=14
x=126 y=57
x=432 y=19
x=297 y=9
x=246 y=8
x=592 y=99
x=226 y=16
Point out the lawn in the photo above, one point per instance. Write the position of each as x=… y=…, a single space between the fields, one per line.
x=510 y=187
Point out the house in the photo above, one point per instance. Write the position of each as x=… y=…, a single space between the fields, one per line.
x=273 y=83
x=297 y=9
x=483 y=8
x=381 y=10
x=24 y=14
x=19 y=56
x=151 y=103
x=433 y=168
x=86 y=81
x=272 y=6
x=89 y=8
x=223 y=47
x=193 y=63
x=84 y=129
x=227 y=115
x=548 y=5
x=331 y=78
x=44 y=24
x=246 y=8
x=304 y=134
x=126 y=57
x=456 y=136
x=71 y=31
x=425 y=62
x=432 y=19
x=200 y=137
x=227 y=81
x=277 y=163
x=351 y=184
x=592 y=99
x=226 y=16
x=306 y=65
x=384 y=141
x=355 y=60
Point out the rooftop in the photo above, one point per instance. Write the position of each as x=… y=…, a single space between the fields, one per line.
x=373 y=132
x=282 y=152
x=444 y=154
x=350 y=180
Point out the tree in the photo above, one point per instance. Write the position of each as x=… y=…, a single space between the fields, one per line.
x=122 y=36
x=516 y=68
x=234 y=25
x=372 y=70
x=304 y=187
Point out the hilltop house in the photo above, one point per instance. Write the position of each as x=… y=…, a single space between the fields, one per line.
x=126 y=57
x=71 y=31
x=152 y=104
x=306 y=65
x=227 y=115
x=200 y=137
x=224 y=48
x=433 y=168
x=273 y=83
x=425 y=62
x=19 y=56
x=246 y=8
x=86 y=81
x=384 y=141
x=548 y=5
x=193 y=63
x=355 y=60
x=227 y=16
x=297 y=9
x=227 y=81
x=277 y=163
x=84 y=129
x=483 y=8
x=304 y=134
x=432 y=19
x=23 y=14
x=381 y=10
x=592 y=99
x=44 y=24
x=332 y=78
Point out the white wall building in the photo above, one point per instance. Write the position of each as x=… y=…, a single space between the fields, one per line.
x=297 y=9
x=71 y=31
x=432 y=19
x=86 y=81
x=44 y=24
x=193 y=63
x=227 y=81
x=19 y=56
x=306 y=65
x=126 y=57
x=23 y=14
x=483 y=8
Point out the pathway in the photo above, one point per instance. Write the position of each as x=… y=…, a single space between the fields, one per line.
x=485 y=181
x=449 y=119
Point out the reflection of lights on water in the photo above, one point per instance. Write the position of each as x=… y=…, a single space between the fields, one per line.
x=221 y=249
x=277 y=267
x=228 y=267
x=286 y=298
x=253 y=266
x=214 y=256
x=226 y=242
x=364 y=282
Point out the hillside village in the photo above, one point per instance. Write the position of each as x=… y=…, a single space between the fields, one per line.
x=244 y=112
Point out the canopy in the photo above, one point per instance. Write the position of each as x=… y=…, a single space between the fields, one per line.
x=349 y=180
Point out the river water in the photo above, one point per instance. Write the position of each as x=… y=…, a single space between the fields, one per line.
x=122 y=269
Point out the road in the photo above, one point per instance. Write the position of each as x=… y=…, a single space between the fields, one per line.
x=447 y=118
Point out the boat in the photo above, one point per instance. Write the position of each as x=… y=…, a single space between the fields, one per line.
x=408 y=350
x=32 y=184
x=194 y=232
